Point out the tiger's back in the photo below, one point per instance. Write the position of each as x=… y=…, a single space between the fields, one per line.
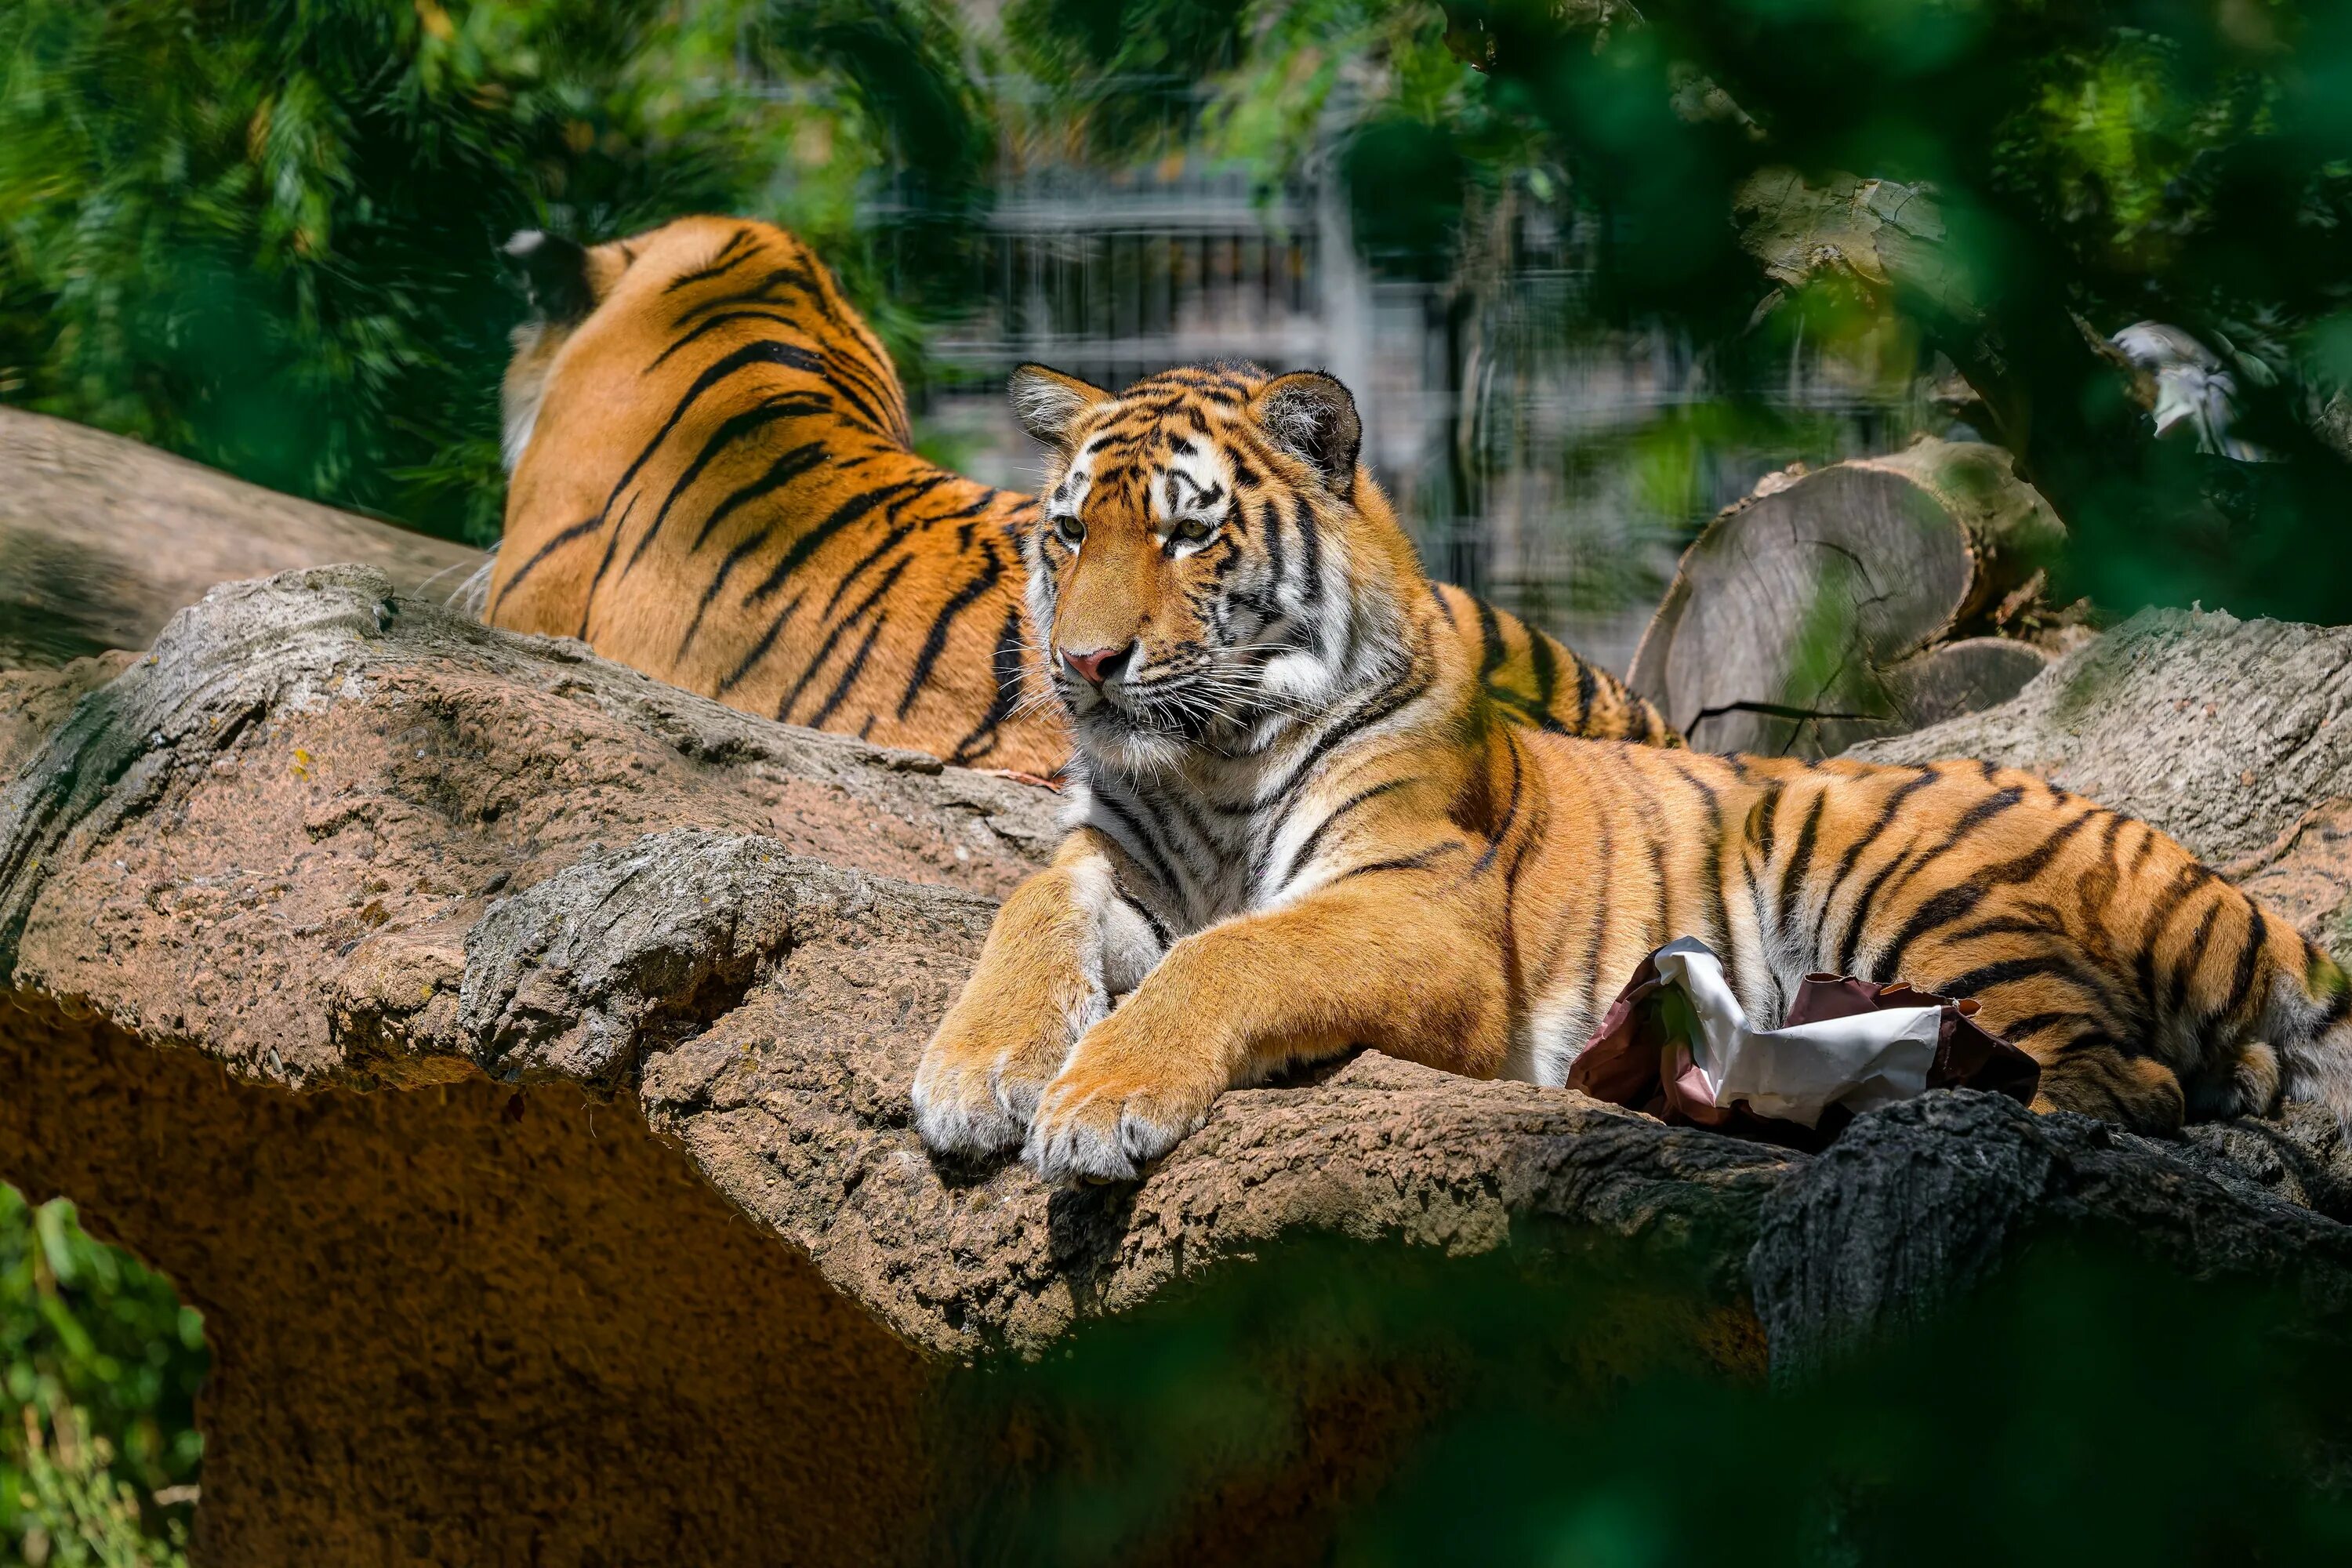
x=712 y=482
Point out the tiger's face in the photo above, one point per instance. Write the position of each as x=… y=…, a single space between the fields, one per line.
x=1205 y=567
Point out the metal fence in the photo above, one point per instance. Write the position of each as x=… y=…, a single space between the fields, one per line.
x=1535 y=455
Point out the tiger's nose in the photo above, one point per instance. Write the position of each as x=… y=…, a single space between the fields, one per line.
x=1099 y=664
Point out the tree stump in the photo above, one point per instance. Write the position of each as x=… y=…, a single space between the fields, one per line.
x=1851 y=603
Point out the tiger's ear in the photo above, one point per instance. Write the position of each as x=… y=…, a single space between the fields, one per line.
x=1048 y=404
x=554 y=273
x=1311 y=417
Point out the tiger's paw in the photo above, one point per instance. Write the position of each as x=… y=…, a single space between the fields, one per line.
x=974 y=1095
x=1106 y=1123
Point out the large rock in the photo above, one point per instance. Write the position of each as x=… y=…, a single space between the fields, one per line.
x=510 y=1055
x=2230 y=735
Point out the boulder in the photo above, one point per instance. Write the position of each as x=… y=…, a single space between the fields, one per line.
x=2230 y=735
x=508 y=1054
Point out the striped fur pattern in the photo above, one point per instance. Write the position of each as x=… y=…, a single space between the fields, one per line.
x=712 y=482
x=1347 y=844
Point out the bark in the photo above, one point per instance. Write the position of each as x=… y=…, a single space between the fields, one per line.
x=508 y=1054
x=1833 y=606
x=102 y=539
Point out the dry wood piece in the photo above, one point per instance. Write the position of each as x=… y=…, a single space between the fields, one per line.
x=1836 y=606
x=101 y=539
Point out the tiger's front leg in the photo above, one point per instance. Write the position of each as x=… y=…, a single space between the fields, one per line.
x=1378 y=961
x=1060 y=949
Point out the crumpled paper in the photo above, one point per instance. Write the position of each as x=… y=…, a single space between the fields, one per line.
x=1676 y=1043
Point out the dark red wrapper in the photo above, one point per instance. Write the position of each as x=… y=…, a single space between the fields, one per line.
x=1631 y=1060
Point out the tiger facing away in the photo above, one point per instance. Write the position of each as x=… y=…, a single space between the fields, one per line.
x=1274 y=859
x=711 y=481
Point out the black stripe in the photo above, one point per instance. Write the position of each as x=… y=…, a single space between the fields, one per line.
x=1419 y=860
x=1546 y=671
x=935 y=641
x=1159 y=931
x=1800 y=860
x=798 y=278
x=849 y=578
x=2004 y=972
x=2185 y=972
x=1304 y=856
x=1006 y=664
x=787 y=467
x=1600 y=817
x=719 y=264
x=679 y=344
x=1892 y=804
x=1157 y=862
x=1310 y=548
x=1717 y=909
x=1407 y=687
x=1490 y=642
x=1511 y=808
x=815 y=540
x=824 y=649
x=765 y=352
x=576 y=530
x=2025 y=1028
x=758 y=650
x=1950 y=905
x=2241 y=984
x=612 y=543
x=849 y=674
x=729 y=432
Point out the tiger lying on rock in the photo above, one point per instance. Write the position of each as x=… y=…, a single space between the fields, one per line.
x=1299 y=825
x=712 y=481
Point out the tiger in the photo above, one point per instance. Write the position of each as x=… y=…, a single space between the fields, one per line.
x=1275 y=859
x=713 y=481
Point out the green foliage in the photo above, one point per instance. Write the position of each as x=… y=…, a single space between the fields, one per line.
x=1125 y=71
x=263 y=232
x=2086 y=1408
x=99 y=1371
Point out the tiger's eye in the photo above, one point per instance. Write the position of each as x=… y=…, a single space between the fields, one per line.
x=1193 y=530
x=1071 y=530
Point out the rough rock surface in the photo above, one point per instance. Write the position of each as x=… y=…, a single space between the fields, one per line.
x=2233 y=736
x=533 y=1125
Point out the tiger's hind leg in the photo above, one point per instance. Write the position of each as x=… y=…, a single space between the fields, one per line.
x=2097 y=1079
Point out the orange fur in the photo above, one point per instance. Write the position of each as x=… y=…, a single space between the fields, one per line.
x=713 y=483
x=1398 y=866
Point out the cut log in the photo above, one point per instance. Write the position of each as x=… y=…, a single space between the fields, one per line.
x=1817 y=612
x=101 y=539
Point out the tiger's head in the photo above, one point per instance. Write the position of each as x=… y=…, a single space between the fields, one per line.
x=1212 y=564
x=618 y=306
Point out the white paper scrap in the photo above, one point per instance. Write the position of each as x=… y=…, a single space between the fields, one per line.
x=1863 y=1062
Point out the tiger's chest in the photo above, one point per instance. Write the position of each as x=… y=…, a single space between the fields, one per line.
x=1197 y=862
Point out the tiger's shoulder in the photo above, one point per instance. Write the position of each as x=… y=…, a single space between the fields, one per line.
x=1532 y=677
